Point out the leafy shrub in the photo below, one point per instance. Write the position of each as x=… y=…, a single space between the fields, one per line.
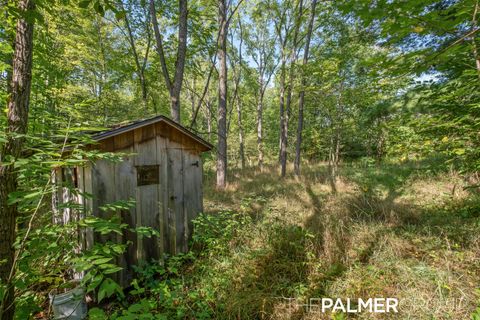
x=215 y=232
x=476 y=314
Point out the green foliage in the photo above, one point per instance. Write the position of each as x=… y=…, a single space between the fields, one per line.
x=476 y=313
x=388 y=81
x=213 y=232
x=97 y=263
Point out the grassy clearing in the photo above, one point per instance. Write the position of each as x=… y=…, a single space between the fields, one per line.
x=264 y=246
x=387 y=231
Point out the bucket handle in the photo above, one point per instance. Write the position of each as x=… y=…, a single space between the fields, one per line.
x=74 y=309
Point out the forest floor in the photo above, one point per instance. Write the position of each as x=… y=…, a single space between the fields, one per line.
x=400 y=231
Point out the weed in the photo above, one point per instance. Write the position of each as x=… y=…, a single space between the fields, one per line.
x=389 y=231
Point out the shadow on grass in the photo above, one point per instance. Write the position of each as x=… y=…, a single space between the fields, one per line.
x=258 y=187
x=283 y=267
x=455 y=224
x=278 y=270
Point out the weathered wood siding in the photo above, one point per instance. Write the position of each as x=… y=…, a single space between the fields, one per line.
x=192 y=190
x=168 y=206
x=175 y=176
x=125 y=186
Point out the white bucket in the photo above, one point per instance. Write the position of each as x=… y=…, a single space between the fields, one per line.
x=70 y=305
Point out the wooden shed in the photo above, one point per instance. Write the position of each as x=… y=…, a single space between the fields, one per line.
x=161 y=171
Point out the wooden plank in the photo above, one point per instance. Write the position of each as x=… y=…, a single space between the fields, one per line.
x=176 y=203
x=199 y=179
x=192 y=190
x=147 y=200
x=175 y=135
x=81 y=202
x=162 y=159
x=123 y=141
x=104 y=192
x=57 y=199
x=170 y=205
x=103 y=189
x=125 y=185
x=67 y=196
x=107 y=145
x=148 y=132
x=148 y=197
x=87 y=195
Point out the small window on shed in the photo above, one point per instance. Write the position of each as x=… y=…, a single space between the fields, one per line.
x=147 y=175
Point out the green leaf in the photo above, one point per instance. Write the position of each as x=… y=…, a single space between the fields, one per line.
x=112 y=270
x=102 y=261
x=99 y=8
x=84 y=4
x=96 y=314
x=108 y=288
x=119 y=15
x=135 y=308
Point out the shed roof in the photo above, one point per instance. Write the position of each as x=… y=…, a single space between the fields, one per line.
x=124 y=128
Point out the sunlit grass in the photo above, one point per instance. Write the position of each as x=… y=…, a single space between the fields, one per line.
x=388 y=231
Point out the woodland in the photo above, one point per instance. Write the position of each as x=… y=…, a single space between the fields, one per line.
x=346 y=152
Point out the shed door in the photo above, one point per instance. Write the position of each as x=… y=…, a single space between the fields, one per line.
x=192 y=189
x=176 y=217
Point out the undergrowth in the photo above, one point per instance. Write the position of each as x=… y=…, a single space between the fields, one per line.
x=264 y=247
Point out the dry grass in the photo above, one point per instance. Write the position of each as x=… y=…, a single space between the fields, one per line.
x=390 y=231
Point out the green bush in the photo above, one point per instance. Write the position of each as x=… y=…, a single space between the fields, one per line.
x=215 y=232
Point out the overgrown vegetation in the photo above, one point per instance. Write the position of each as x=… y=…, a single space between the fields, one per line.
x=262 y=248
x=376 y=103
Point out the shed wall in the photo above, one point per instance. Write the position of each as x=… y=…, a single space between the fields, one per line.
x=167 y=206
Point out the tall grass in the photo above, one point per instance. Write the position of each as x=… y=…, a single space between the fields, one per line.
x=264 y=246
x=396 y=230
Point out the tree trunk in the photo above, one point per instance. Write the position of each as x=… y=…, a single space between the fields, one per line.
x=331 y=157
x=239 y=101
x=180 y=61
x=337 y=153
x=204 y=93
x=301 y=98
x=103 y=73
x=209 y=119
x=174 y=87
x=222 y=97
x=17 y=119
x=474 y=44
x=140 y=68
x=332 y=162
x=260 y=129
x=240 y=132
x=283 y=121
x=192 y=96
x=289 y=88
x=261 y=92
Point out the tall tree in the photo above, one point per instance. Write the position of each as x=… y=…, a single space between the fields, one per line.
x=17 y=119
x=222 y=96
x=140 y=64
x=260 y=45
x=239 y=100
x=289 y=87
x=301 y=98
x=437 y=40
x=283 y=121
x=173 y=86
